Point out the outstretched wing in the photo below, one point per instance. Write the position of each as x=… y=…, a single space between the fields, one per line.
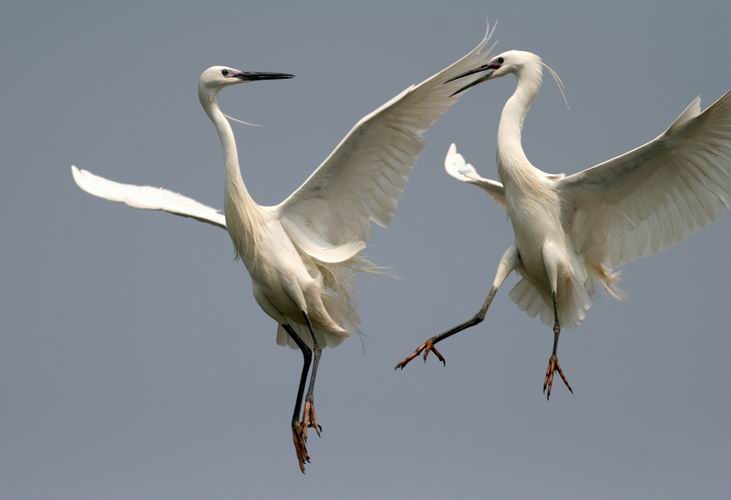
x=654 y=196
x=457 y=167
x=147 y=197
x=364 y=176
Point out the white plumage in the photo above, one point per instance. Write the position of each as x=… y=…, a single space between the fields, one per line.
x=457 y=167
x=652 y=197
x=147 y=197
x=571 y=231
x=303 y=253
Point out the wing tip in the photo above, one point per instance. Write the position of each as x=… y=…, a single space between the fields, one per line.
x=452 y=163
x=691 y=111
x=451 y=153
x=78 y=176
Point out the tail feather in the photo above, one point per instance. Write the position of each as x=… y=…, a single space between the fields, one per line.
x=337 y=299
x=324 y=339
x=574 y=297
x=573 y=302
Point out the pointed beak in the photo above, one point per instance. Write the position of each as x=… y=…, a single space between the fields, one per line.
x=252 y=76
x=490 y=68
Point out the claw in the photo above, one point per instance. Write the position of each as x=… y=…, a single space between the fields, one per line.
x=554 y=367
x=430 y=348
x=309 y=419
x=424 y=349
x=299 y=439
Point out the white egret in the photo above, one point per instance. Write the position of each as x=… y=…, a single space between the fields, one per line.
x=571 y=231
x=303 y=253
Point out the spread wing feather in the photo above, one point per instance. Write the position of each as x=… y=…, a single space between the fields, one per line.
x=147 y=197
x=363 y=178
x=654 y=196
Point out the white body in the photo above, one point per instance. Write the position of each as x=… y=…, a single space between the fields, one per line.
x=571 y=230
x=302 y=253
x=547 y=258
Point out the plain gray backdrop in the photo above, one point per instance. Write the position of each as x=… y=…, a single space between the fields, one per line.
x=134 y=362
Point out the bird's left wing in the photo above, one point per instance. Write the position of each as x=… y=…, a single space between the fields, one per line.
x=457 y=167
x=364 y=176
x=147 y=197
x=653 y=196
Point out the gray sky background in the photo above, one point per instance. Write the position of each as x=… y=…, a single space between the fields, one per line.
x=134 y=362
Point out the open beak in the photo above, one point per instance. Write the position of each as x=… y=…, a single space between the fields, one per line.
x=490 y=68
x=252 y=76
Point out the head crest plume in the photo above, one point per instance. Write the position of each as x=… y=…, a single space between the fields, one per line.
x=559 y=83
x=241 y=121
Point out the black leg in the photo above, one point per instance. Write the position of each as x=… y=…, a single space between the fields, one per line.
x=553 y=365
x=428 y=346
x=508 y=263
x=297 y=434
x=309 y=418
x=556 y=325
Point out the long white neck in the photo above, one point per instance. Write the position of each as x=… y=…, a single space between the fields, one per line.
x=511 y=157
x=243 y=214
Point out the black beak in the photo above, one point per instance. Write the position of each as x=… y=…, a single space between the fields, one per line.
x=252 y=76
x=490 y=68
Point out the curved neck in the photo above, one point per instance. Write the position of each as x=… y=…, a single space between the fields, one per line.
x=243 y=215
x=234 y=182
x=509 y=136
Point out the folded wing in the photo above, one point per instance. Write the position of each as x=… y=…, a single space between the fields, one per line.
x=654 y=196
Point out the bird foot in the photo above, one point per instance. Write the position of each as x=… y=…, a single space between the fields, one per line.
x=424 y=349
x=299 y=438
x=309 y=419
x=554 y=367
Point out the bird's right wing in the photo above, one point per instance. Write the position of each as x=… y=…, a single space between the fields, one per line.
x=363 y=178
x=653 y=196
x=147 y=197
x=457 y=167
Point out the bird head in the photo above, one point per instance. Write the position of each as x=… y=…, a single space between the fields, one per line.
x=512 y=61
x=215 y=78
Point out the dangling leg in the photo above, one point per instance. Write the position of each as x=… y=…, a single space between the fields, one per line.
x=508 y=263
x=298 y=435
x=551 y=262
x=553 y=365
x=309 y=416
